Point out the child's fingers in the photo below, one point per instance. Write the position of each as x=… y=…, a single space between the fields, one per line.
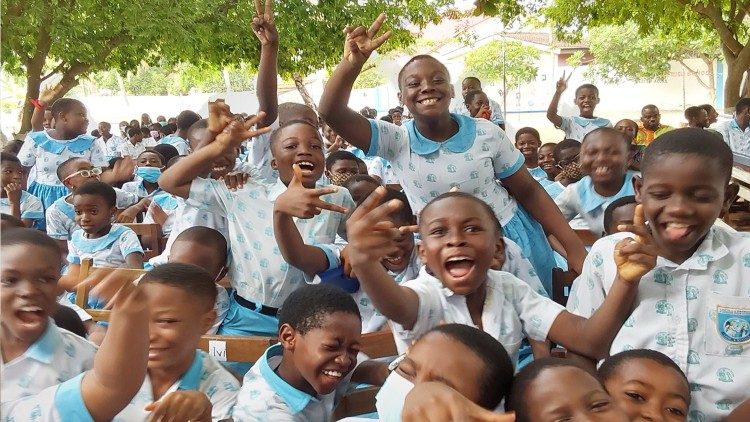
x=269 y=10
x=375 y=27
x=377 y=42
x=370 y=204
x=453 y=189
x=639 y=219
x=642 y=233
x=253 y=120
x=323 y=205
x=382 y=212
x=383 y=225
x=258 y=8
x=357 y=32
x=409 y=229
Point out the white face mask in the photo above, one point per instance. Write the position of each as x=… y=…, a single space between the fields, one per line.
x=389 y=401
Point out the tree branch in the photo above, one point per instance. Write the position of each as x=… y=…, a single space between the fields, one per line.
x=57 y=69
x=713 y=13
x=694 y=73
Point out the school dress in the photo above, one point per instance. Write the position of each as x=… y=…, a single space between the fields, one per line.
x=266 y=397
x=31 y=207
x=553 y=189
x=61 y=215
x=512 y=311
x=737 y=139
x=169 y=203
x=697 y=313
x=260 y=276
x=45 y=154
x=470 y=160
x=537 y=173
x=57 y=356
x=580 y=199
x=577 y=127
x=109 y=250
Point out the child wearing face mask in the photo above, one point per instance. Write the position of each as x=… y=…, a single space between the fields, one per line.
x=340 y=166
x=150 y=164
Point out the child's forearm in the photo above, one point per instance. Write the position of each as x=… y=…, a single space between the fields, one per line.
x=178 y=178
x=69 y=280
x=593 y=337
x=399 y=304
x=310 y=259
x=334 y=110
x=134 y=260
x=267 y=83
x=552 y=115
x=37 y=119
x=15 y=209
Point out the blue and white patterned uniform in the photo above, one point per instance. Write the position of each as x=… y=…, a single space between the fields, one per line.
x=61 y=215
x=554 y=189
x=734 y=136
x=61 y=402
x=259 y=156
x=136 y=187
x=31 y=206
x=580 y=199
x=576 y=127
x=45 y=154
x=256 y=268
x=538 y=174
x=512 y=310
x=57 y=356
x=470 y=160
x=458 y=106
x=112 y=145
x=682 y=311
x=205 y=375
x=182 y=146
x=170 y=204
x=266 y=397
x=109 y=250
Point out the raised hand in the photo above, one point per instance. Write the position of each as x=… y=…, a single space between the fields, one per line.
x=219 y=116
x=115 y=287
x=235 y=180
x=361 y=42
x=436 y=402
x=123 y=170
x=485 y=113
x=263 y=24
x=301 y=202
x=158 y=213
x=13 y=190
x=191 y=406
x=562 y=84
x=635 y=257
x=235 y=133
x=49 y=93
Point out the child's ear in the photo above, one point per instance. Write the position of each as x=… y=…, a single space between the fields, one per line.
x=287 y=337
x=399 y=97
x=273 y=164
x=637 y=185
x=499 y=255
x=208 y=320
x=422 y=253
x=730 y=195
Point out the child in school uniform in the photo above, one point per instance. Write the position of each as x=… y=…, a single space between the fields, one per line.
x=478 y=104
x=340 y=166
x=700 y=283
x=604 y=158
x=586 y=99
x=360 y=186
x=528 y=142
x=149 y=167
x=57 y=377
x=181 y=383
x=185 y=119
x=547 y=163
x=45 y=150
x=646 y=384
x=458 y=285
x=260 y=276
x=13 y=199
x=134 y=146
x=620 y=211
x=111 y=141
x=301 y=377
x=552 y=389
x=437 y=151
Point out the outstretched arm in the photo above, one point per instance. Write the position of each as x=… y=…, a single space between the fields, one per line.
x=265 y=29
x=560 y=87
x=359 y=45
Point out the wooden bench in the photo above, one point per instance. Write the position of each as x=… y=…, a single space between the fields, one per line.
x=150 y=236
x=82 y=292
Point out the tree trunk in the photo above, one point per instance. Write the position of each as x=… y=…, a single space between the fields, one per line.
x=299 y=82
x=735 y=74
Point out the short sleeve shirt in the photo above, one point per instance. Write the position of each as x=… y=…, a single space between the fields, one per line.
x=31 y=206
x=41 y=151
x=257 y=269
x=697 y=313
x=57 y=403
x=736 y=138
x=471 y=160
x=577 y=127
x=127 y=149
x=182 y=146
x=512 y=311
x=112 y=145
x=61 y=215
x=136 y=188
x=109 y=250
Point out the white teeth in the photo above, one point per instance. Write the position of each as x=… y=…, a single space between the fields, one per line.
x=678 y=225
x=31 y=309
x=335 y=374
x=458 y=258
x=306 y=164
x=429 y=101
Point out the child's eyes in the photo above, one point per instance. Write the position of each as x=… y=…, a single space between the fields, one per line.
x=659 y=195
x=7 y=281
x=165 y=321
x=675 y=411
x=600 y=405
x=437 y=232
x=473 y=229
x=635 y=396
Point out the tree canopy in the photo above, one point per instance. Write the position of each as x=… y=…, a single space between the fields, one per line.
x=488 y=63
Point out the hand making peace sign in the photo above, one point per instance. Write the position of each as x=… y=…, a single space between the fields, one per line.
x=361 y=42
x=635 y=257
x=263 y=24
x=301 y=202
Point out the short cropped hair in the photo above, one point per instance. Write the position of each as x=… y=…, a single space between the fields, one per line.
x=166 y=151
x=463 y=195
x=742 y=105
x=405 y=213
x=289 y=112
x=531 y=131
x=608 y=131
x=339 y=155
x=6 y=157
x=587 y=86
x=469 y=97
x=132 y=131
x=24 y=236
x=563 y=145
x=99 y=189
x=498 y=371
x=708 y=107
x=417 y=58
x=617 y=203
x=525 y=377
x=473 y=79
x=689 y=141
x=307 y=307
x=693 y=112
x=612 y=363
x=193 y=279
x=156 y=153
x=206 y=236
x=649 y=107
x=276 y=134
x=63 y=105
x=64 y=169
x=186 y=119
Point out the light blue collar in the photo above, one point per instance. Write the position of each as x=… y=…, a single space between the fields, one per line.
x=66 y=208
x=458 y=143
x=589 y=200
x=43 y=349
x=166 y=201
x=733 y=124
x=596 y=121
x=358 y=153
x=78 y=145
x=192 y=378
x=95 y=245
x=173 y=140
x=296 y=400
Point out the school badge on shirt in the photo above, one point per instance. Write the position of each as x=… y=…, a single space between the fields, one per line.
x=733 y=324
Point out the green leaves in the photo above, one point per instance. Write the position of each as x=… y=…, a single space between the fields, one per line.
x=491 y=60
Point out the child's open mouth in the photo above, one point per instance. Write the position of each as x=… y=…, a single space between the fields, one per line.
x=429 y=101
x=31 y=315
x=333 y=374
x=306 y=167
x=602 y=171
x=459 y=266
x=677 y=231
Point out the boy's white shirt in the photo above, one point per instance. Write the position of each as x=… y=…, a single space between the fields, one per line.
x=512 y=311
x=675 y=313
x=57 y=356
x=60 y=216
x=127 y=149
x=737 y=139
x=136 y=187
x=257 y=270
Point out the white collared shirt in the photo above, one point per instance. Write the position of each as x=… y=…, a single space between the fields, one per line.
x=127 y=149
x=57 y=356
x=61 y=215
x=512 y=310
x=266 y=397
x=678 y=311
x=136 y=187
x=736 y=138
x=112 y=145
x=109 y=250
x=256 y=268
x=577 y=127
